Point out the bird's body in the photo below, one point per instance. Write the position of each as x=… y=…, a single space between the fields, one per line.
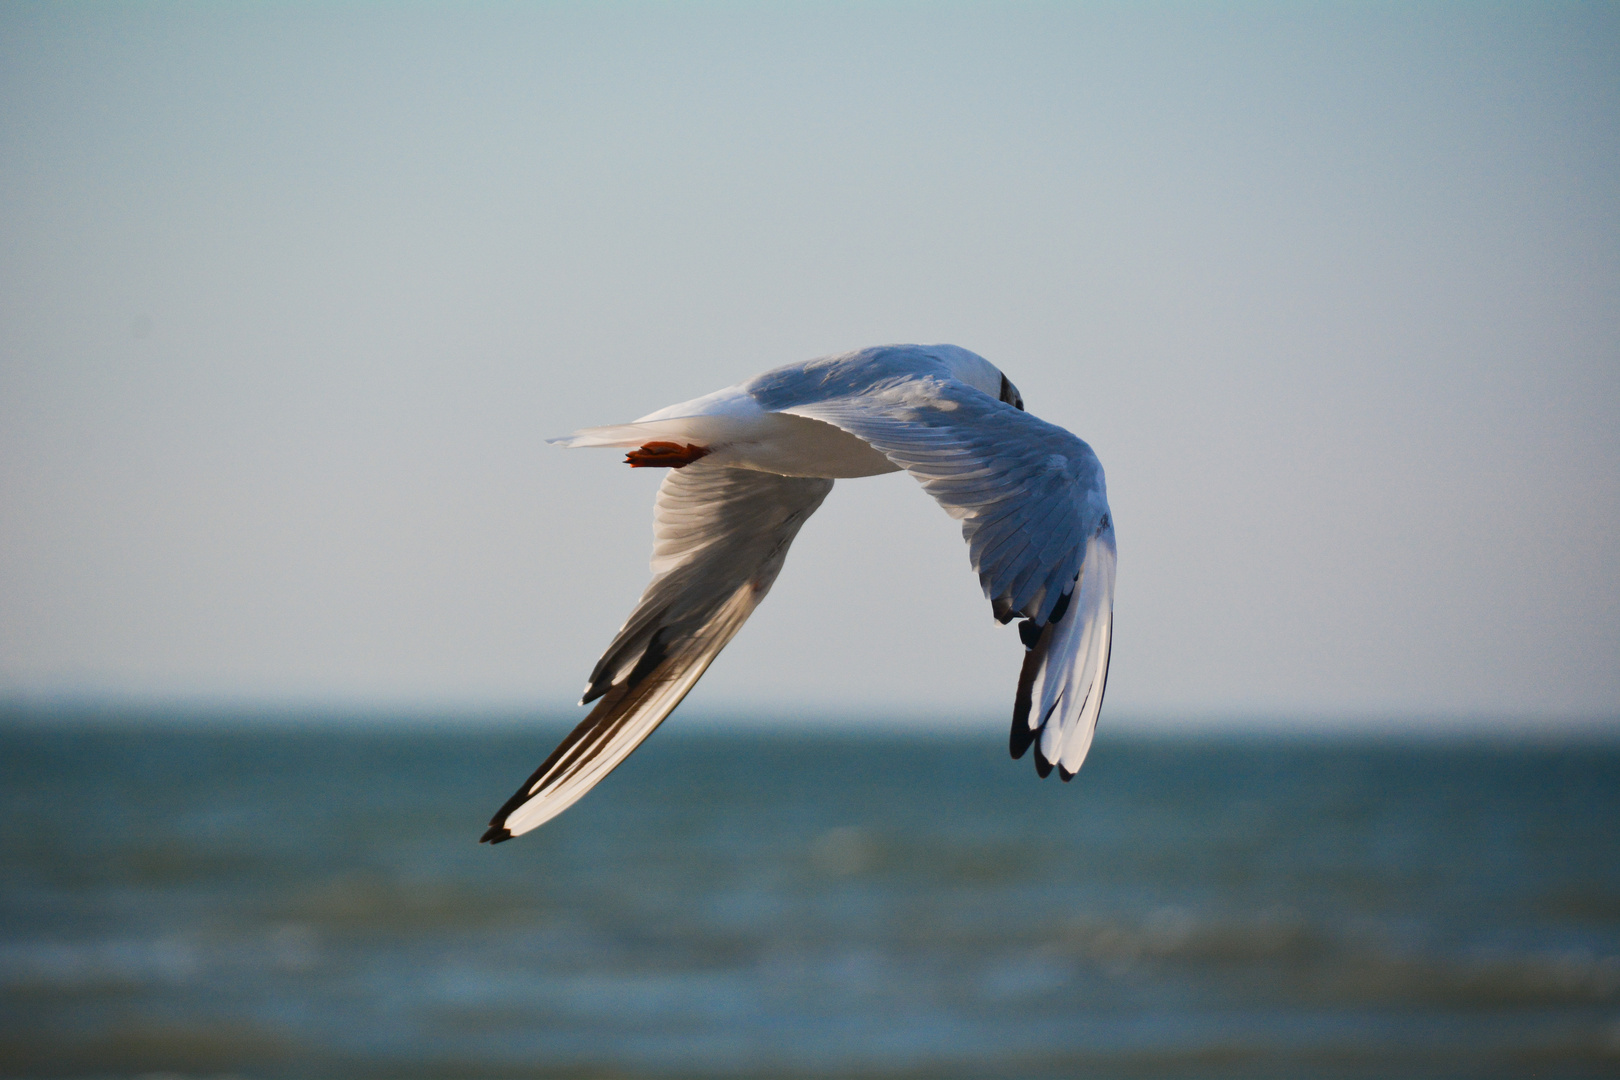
x=750 y=463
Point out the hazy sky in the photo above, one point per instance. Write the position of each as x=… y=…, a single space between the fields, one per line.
x=293 y=295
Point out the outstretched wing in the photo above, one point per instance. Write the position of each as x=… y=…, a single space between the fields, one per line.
x=721 y=536
x=1034 y=510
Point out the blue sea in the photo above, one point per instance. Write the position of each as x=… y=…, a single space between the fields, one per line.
x=209 y=900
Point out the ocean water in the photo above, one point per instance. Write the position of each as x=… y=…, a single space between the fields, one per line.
x=312 y=902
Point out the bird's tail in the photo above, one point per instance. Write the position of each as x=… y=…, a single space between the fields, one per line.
x=702 y=430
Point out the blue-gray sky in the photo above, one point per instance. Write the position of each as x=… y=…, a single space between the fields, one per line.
x=292 y=296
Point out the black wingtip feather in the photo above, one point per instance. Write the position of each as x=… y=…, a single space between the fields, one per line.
x=495 y=834
x=1064 y=774
x=1043 y=768
x=1019 y=739
x=1029 y=632
x=1022 y=734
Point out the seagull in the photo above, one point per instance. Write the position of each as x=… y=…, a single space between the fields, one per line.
x=750 y=463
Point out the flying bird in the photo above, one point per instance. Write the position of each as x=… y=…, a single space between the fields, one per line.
x=750 y=463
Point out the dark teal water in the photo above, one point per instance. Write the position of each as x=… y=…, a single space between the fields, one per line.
x=313 y=903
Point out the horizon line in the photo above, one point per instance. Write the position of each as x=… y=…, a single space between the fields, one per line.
x=222 y=711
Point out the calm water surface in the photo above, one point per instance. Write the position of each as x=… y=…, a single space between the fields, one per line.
x=313 y=903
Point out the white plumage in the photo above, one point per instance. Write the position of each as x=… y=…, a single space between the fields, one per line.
x=750 y=463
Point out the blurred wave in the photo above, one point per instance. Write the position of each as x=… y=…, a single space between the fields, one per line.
x=312 y=902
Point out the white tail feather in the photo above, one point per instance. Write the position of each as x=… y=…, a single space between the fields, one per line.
x=700 y=429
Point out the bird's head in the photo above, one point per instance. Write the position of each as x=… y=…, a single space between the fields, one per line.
x=979 y=373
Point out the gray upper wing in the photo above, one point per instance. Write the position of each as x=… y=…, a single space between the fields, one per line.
x=1033 y=504
x=1029 y=494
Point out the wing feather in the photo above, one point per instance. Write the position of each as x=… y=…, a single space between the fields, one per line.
x=720 y=538
x=1033 y=504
